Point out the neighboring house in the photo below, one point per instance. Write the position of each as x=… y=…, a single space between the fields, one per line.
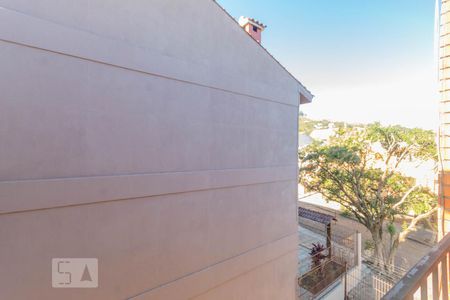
x=155 y=136
x=444 y=115
x=323 y=134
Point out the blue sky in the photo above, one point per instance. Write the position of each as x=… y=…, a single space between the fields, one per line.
x=364 y=60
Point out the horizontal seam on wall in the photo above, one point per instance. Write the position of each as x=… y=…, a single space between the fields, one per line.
x=133 y=69
x=139 y=197
x=149 y=73
x=248 y=271
x=98 y=36
x=140 y=174
x=221 y=262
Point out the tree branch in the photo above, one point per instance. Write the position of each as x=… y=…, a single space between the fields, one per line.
x=405 y=196
x=412 y=225
x=402 y=156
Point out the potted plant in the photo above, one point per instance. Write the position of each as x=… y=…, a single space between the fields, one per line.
x=317 y=256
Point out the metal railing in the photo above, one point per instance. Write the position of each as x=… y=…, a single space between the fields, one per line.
x=327 y=271
x=323 y=275
x=428 y=279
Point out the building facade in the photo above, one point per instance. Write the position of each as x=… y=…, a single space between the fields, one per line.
x=155 y=136
x=444 y=129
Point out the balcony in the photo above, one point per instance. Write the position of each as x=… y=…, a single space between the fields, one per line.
x=428 y=279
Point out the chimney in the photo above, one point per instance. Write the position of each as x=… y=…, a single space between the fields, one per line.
x=253 y=27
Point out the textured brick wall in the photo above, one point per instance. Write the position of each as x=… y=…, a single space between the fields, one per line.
x=444 y=76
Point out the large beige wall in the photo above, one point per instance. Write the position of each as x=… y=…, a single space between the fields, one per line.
x=153 y=135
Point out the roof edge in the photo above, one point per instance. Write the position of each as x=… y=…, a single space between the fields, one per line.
x=302 y=89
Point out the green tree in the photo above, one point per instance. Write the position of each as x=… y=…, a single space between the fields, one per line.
x=360 y=168
x=307 y=125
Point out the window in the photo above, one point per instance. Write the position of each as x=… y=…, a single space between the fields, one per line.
x=255 y=29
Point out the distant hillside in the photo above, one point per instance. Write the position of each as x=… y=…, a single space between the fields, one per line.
x=321 y=130
x=307 y=126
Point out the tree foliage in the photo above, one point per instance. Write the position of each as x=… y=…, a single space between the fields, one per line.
x=307 y=126
x=360 y=168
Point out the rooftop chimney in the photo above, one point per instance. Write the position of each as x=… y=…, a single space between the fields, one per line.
x=253 y=27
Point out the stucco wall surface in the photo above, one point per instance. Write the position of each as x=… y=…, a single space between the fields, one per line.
x=154 y=135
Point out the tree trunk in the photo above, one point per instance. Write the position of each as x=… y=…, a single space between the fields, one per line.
x=378 y=247
x=390 y=262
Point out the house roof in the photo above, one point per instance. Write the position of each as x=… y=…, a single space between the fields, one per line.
x=315 y=216
x=305 y=95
